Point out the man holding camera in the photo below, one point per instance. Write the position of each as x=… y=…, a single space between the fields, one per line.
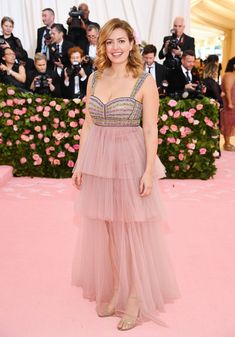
x=174 y=45
x=185 y=78
x=43 y=33
x=75 y=76
x=42 y=81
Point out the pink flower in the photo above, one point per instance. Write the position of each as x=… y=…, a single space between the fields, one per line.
x=18 y=142
x=186 y=114
x=160 y=141
x=37 y=162
x=46 y=140
x=196 y=122
x=7 y=114
x=66 y=146
x=56 y=162
x=76 y=137
x=190 y=152
x=171 y=158
x=16 y=118
x=29 y=100
x=70 y=163
x=36 y=156
x=76 y=146
x=57 y=142
x=46 y=113
x=58 y=107
x=81 y=121
x=39 y=108
x=11 y=92
x=181 y=156
x=33 y=146
x=84 y=99
x=66 y=101
x=56 y=120
x=9 y=143
x=71 y=114
x=208 y=122
x=40 y=136
x=202 y=151
x=170 y=113
x=55 y=126
x=32 y=118
x=191 y=146
x=164 y=117
x=177 y=114
x=199 y=106
x=52 y=103
x=177 y=168
x=15 y=127
x=44 y=127
x=37 y=128
x=61 y=154
x=62 y=124
x=174 y=127
x=38 y=100
x=192 y=111
x=10 y=122
x=23 y=160
x=47 y=108
x=73 y=124
x=171 y=140
x=71 y=149
x=76 y=100
x=191 y=120
x=172 y=103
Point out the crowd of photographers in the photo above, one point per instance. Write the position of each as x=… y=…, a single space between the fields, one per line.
x=64 y=59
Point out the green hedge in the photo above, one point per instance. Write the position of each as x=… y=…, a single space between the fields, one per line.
x=39 y=135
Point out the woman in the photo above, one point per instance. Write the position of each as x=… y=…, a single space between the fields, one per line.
x=11 y=73
x=121 y=260
x=75 y=76
x=210 y=76
x=10 y=41
x=228 y=112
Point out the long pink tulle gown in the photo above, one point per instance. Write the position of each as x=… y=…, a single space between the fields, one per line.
x=228 y=115
x=110 y=211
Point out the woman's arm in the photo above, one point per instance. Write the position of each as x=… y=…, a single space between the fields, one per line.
x=20 y=76
x=150 y=115
x=228 y=84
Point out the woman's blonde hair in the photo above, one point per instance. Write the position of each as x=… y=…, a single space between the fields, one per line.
x=211 y=70
x=134 y=63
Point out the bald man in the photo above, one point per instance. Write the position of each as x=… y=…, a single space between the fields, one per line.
x=174 y=45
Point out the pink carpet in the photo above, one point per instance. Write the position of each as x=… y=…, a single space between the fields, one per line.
x=37 y=239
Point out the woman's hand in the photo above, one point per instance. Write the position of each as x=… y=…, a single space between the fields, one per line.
x=146 y=184
x=77 y=180
x=230 y=106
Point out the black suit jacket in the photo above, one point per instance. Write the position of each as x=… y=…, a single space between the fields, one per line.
x=160 y=73
x=68 y=91
x=44 y=90
x=185 y=43
x=64 y=57
x=177 y=80
x=40 y=33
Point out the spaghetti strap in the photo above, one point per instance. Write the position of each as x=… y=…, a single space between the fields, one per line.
x=93 y=83
x=138 y=84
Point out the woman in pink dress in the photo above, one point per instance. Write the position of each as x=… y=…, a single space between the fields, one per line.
x=121 y=261
x=228 y=112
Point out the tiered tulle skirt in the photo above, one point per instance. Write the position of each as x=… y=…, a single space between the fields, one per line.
x=111 y=216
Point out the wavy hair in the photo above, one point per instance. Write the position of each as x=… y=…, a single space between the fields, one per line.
x=134 y=63
x=230 y=65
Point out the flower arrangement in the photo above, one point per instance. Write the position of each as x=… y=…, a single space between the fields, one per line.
x=188 y=137
x=39 y=136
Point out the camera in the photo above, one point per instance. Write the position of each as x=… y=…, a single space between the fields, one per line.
x=74 y=69
x=2 y=41
x=173 y=42
x=75 y=12
x=47 y=36
x=55 y=55
x=41 y=81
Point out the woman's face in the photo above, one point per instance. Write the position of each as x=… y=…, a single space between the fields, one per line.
x=9 y=56
x=7 y=28
x=118 y=46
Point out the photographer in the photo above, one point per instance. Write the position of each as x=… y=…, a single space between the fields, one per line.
x=11 y=73
x=185 y=78
x=42 y=81
x=75 y=77
x=44 y=33
x=58 y=48
x=174 y=45
x=78 y=22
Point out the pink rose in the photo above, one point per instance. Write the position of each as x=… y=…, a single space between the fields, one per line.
x=10 y=122
x=39 y=108
x=51 y=159
x=76 y=137
x=190 y=152
x=81 y=121
x=174 y=127
x=177 y=168
x=186 y=114
x=9 y=102
x=164 y=117
x=16 y=118
x=18 y=142
x=37 y=162
x=9 y=143
x=32 y=118
x=70 y=163
x=202 y=151
x=29 y=100
x=11 y=92
x=56 y=162
x=58 y=107
x=47 y=108
x=73 y=124
x=52 y=103
x=62 y=124
x=44 y=127
x=61 y=154
x=56 y=120
x=46 y=113
x=23 y=160
x=177 y=114
x=46 y=140
x=170 y=113
x=71 y=149
x=57 y=142
x=171 y=140
x=199 y=106
x=66 y=101
x=15 y=127
x=26 y=132
x=55 y=126
x=66 y=146
x=192 y=111
x=40 y=136
x=191 y=120
x=71 y=114
x=38 y=100
x=33 y=146
x=36 y=156
x=191 y=146
x=37 y=128
x=76 y=146
x=172 y=103
x=181 y=156
x=171 y=158
x=160 y=141
x=7 y=114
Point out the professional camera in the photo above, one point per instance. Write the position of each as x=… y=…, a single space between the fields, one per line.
x=163 y=88
x=74 y=69
x=2 y=41
x=75 y=12
x=55 y=55
x=173 y=42
x=47 y=37
x=41 y=81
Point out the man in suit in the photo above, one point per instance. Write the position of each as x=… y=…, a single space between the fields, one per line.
x=174 y=45
x=43 y=33
x=58 y=48
x=151 y=66
x=184 y=77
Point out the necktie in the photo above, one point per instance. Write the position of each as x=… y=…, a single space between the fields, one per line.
x=57 y=47
x=187 y=76
x=149 y=70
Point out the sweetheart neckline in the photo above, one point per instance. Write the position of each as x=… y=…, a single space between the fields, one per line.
x=117 y=98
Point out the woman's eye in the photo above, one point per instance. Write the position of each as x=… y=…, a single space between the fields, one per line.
x=108 y=42
x=122 y=41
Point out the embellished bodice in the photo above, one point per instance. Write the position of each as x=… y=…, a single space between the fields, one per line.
x=120 y=111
